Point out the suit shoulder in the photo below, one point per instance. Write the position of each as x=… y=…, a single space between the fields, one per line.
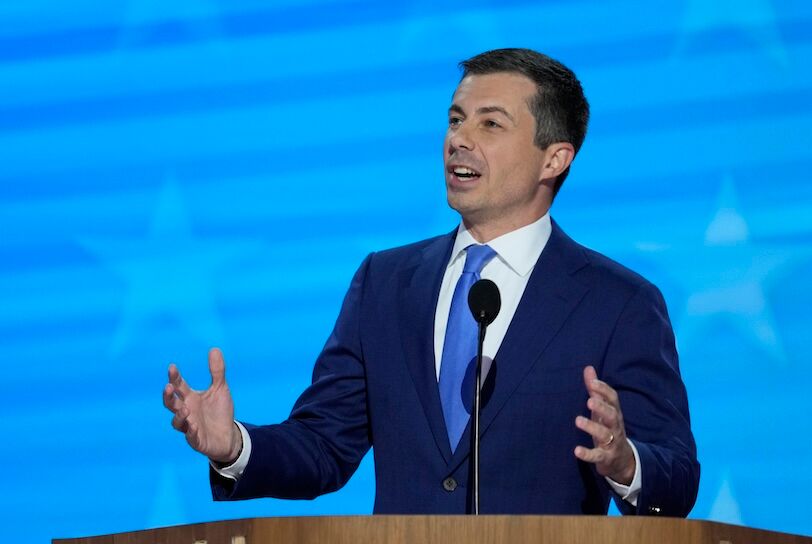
x=411 y=248
x=609 y=273
x=403 y=254
x=616 y=289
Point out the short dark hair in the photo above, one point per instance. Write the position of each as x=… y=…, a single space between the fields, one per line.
x=559 y=106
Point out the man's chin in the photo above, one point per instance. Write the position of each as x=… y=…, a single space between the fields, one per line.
x=462 y=203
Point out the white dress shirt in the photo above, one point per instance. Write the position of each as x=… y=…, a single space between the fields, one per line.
x=516 y=255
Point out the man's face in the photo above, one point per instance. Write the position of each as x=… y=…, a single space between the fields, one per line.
x=493 y=170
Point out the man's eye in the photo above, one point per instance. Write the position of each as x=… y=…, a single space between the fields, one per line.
x=454 y=121
x=490 y=123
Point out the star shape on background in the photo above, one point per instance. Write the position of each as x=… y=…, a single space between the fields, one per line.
x=168 y=273
x=727 y=278
x=725 y=506
x=755 y=20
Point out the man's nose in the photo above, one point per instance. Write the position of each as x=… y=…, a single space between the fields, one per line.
x=461 y=138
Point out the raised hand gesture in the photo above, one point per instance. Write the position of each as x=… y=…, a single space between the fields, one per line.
x=612 y=455
x=206 y=418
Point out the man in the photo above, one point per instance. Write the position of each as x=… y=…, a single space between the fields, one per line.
x=554 y=438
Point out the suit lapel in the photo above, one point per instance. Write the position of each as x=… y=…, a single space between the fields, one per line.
x=419 y=290
x=552 y=293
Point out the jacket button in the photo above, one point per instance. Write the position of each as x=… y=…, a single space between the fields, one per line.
x=449 y=484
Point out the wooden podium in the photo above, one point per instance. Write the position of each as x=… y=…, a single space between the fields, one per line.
x=450 y=530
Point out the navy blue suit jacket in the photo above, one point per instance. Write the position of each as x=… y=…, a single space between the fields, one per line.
x=374 y=385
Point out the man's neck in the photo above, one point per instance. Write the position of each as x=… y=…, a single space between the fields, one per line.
x=487 y=231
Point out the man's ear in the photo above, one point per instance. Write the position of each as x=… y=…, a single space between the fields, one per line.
x=557 y=158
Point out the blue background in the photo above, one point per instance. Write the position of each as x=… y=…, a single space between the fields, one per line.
x=183 y=174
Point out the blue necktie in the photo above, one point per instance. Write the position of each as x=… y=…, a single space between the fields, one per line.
x=459 y=349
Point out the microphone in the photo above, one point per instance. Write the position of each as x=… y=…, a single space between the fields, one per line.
x=484 y=302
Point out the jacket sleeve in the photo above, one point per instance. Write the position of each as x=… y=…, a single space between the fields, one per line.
x=642 y=364
x=321 y=444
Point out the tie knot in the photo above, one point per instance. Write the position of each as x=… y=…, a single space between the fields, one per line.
x=477 y=256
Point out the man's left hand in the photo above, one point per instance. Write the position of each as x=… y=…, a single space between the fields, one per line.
x=612 y=455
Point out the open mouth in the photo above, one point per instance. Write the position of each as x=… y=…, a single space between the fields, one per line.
x=464 y=173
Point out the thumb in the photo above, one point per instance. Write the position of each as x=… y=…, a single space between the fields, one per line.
x=217 y=367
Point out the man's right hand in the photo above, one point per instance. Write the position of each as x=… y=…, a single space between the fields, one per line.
x=206 y=418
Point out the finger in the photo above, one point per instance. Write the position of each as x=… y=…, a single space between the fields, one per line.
x=600 y=433
x=217 y=367
x=603 y=412
x=590 y=375
x=180 y=421
x=598 y=387
x=182 y=389
x=171 y=401
x=590 y=455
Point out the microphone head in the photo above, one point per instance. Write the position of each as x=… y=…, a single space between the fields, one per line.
x=484 y=301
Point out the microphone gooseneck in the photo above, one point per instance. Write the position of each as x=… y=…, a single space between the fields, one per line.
x=484 y=302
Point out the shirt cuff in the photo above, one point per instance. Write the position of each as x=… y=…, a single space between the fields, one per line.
x=629 y=492
x=235 y=469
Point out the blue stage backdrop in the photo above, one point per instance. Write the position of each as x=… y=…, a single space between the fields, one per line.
x=177 y=175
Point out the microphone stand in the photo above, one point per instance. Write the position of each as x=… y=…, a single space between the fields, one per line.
x=484 y=303
x=475 y=412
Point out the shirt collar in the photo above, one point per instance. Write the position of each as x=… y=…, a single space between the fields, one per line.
x=519 y=249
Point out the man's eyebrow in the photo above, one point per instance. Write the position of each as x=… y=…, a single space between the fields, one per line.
x=499 y=109
x=455 y=108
